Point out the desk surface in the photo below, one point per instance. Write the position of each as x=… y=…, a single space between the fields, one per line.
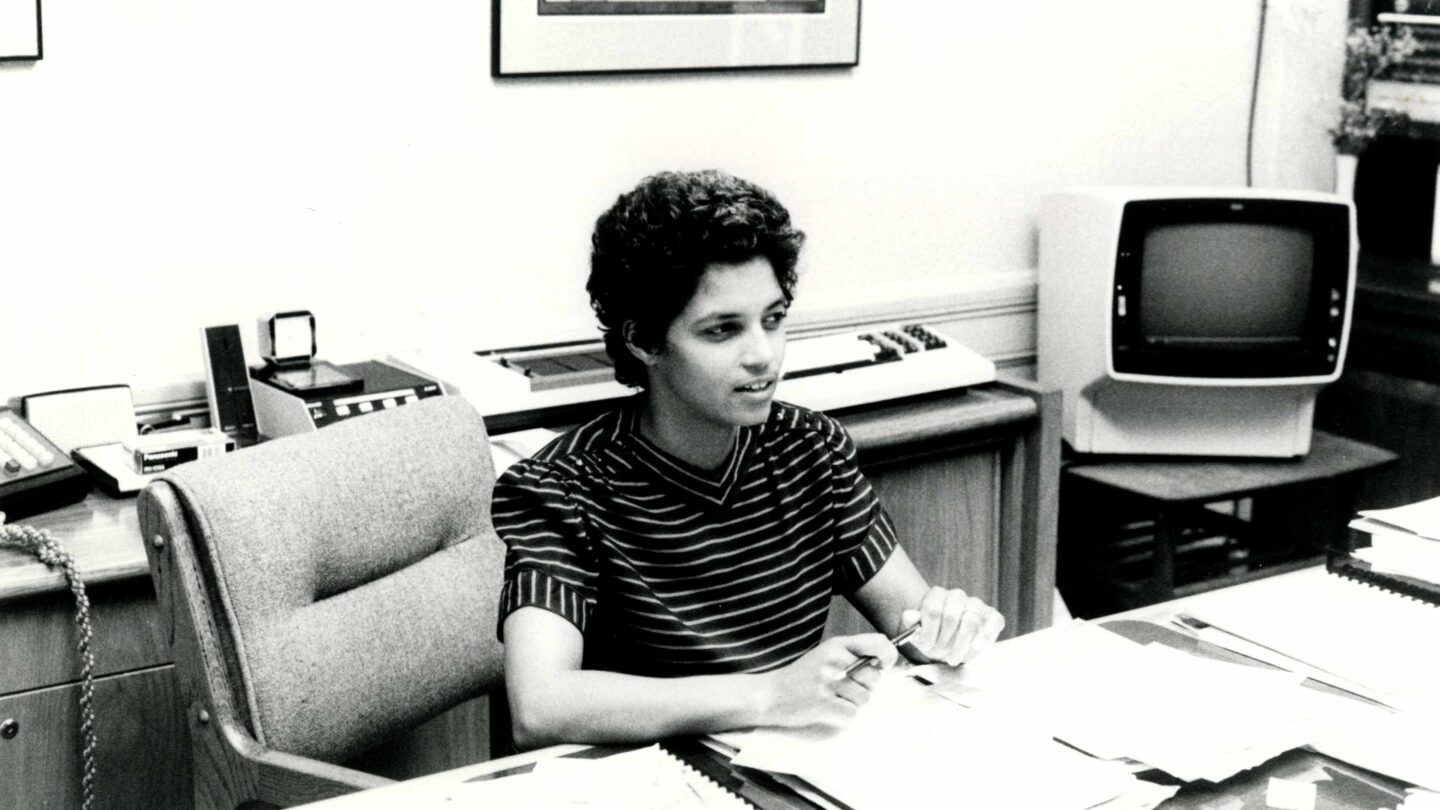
x=1199 y=480
x=101 y=533
x=1248 y=787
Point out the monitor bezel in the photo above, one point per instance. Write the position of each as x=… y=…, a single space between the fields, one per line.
x=1316 y=356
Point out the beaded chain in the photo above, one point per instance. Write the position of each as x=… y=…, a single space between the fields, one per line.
x=47 y=548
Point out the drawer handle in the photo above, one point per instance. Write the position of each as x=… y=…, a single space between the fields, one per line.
x=9 y=728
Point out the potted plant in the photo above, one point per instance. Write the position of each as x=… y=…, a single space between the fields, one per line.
x=1369 y=53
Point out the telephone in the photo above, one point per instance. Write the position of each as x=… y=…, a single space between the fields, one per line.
x=35 y=474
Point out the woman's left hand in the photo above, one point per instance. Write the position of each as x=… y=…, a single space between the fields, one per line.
x=954 y=627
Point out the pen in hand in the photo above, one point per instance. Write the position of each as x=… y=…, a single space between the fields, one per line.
x=870 y=660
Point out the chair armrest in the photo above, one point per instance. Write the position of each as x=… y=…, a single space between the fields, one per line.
x=274 y=777
x=287 y=779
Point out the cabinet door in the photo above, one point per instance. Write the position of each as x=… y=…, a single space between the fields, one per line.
x=946 y=513
x=142 y=760
x=41 y=631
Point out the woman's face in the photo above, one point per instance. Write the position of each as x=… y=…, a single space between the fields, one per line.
x=722 y=353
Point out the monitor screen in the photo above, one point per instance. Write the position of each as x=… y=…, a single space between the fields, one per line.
x=1221 y=284
x=1229 y=288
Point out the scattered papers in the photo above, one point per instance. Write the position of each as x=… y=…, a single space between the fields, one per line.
x=1275 y=658
x=908 y=747
x=1401 y=745
x=1108 y=697
x=1118 y=700
x=1420 y=800
x=1289 y=794
x=1363 y=634
x=1143 y=796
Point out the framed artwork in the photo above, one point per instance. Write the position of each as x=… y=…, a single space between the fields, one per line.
x=563 y=37
x=20 y=30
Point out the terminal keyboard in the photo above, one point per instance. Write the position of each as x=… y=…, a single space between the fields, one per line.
x=822 y=373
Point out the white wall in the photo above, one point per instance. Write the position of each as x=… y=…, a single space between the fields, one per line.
x=171 y=164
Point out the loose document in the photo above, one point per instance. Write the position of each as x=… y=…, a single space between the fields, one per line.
x=1126 y=706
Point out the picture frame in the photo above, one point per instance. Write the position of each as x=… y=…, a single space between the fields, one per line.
x=568 y=37
x=20 y=38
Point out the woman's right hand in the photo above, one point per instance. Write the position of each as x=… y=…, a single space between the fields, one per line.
x=815 y=690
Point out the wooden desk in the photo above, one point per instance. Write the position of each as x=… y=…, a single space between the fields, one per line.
x=143 y=756
x=1151 y=507
x=970 y=480
x=1350 y=788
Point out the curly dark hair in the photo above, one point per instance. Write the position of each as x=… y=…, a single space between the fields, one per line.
x=651 y=247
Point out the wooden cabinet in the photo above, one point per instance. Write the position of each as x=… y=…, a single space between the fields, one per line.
x=142 y=748
x=971 y=482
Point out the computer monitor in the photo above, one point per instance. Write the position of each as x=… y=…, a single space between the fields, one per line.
x=1193 y=321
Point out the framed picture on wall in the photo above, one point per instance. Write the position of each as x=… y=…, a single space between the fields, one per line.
x=563 y=37
x=20 y=30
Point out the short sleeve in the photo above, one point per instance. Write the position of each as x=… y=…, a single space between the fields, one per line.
x=548 y=561
x=864 y=535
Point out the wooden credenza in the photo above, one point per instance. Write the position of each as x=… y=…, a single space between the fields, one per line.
x=143 y=748
x=972 y=484
x=970 y=479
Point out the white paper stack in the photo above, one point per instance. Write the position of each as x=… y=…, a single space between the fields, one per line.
x=1405 y=540
x=1421 y=518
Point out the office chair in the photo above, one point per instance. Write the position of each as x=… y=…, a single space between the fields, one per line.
x=325 y=592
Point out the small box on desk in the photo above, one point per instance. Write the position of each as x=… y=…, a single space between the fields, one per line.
x=123 y=468
x=155 y=452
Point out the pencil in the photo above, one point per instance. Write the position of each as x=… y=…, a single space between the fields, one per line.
x=870 y=660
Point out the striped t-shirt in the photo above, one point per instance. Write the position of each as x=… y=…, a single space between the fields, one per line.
x=671 y=570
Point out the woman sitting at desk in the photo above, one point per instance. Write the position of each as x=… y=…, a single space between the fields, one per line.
x=671 y=564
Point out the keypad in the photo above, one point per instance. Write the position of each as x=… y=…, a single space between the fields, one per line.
x=22 y=450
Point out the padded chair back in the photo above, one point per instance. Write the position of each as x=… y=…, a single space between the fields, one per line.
x=351 y=575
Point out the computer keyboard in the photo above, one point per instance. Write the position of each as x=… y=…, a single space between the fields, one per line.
x=826 y=372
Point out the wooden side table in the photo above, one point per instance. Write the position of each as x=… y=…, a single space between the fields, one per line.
x=1126 y=523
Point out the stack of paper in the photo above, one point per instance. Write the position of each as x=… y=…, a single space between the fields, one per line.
x=1404 y=540
x=1421 y=518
